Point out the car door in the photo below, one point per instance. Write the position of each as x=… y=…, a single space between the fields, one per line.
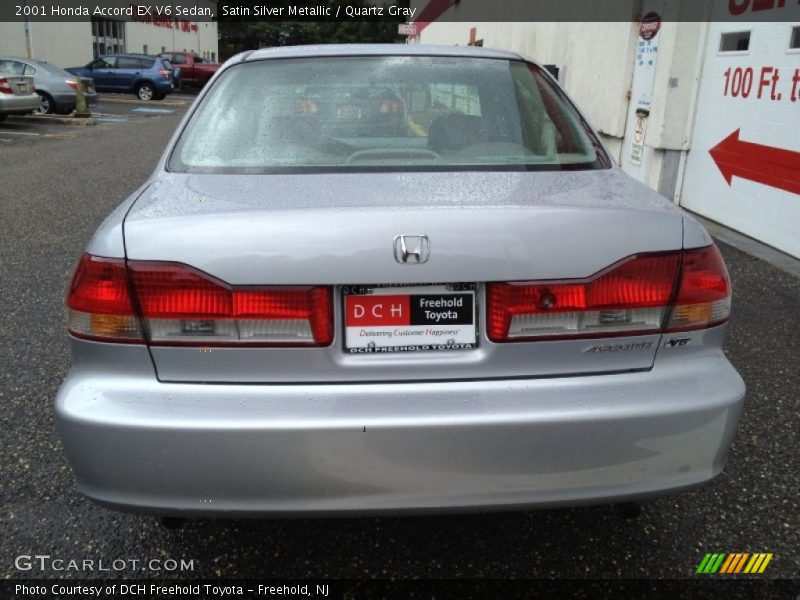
x=102 y=72
x=127 y=73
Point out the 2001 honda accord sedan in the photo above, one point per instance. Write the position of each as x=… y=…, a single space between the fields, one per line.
x=367 y=278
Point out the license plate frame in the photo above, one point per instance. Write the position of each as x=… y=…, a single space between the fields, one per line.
x=402 y=318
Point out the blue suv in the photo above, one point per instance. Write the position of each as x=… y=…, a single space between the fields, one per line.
x=149 y=77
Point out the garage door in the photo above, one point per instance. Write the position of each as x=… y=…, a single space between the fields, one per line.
x=744 y=166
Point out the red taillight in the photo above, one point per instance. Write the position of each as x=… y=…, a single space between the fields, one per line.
x=99 y=302
x=71 y=84
x=178 y=305
x=633 y=297
x=164 y=73
x=5 y=87
x=704 y=296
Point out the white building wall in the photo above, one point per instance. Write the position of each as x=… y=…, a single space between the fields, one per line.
x=767 y=211
x=63 y=44
x=139 y=35
x=69 y=44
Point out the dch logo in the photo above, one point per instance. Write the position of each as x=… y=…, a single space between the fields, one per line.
x=377 y=310
x=380 y=310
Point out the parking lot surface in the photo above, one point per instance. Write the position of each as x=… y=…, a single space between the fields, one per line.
x=56 y=189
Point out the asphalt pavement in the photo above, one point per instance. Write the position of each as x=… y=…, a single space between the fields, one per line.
x=54 y=191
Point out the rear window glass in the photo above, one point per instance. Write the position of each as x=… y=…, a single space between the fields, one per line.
x=13 y=67
x=366 y=113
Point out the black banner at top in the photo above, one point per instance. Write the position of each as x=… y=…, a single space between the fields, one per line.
x=167 y=12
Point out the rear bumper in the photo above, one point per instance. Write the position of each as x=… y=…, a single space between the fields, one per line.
x=14 y=105
x=165 y=87
x=190 y=449
x=67 y=101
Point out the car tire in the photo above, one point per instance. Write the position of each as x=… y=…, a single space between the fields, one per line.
x=47 y=106
x=3 y=118
x=145 y=91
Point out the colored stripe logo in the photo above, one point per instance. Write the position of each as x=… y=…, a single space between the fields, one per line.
x=734 y=562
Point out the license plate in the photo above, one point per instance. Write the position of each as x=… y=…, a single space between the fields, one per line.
x=23 y=87
x=409 y=318
x=89 y=88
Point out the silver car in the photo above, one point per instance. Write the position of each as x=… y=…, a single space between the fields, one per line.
x=311 y=307
x=17 y=92
x=57 y=89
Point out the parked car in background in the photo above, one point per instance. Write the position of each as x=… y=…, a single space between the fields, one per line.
x=149 y=77
x=17 y=91
x=195 y=70
x=311 y=307
x=57 y=89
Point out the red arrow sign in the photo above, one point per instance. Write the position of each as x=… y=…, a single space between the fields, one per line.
x=774 y=167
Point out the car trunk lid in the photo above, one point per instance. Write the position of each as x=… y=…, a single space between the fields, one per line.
x=339 y=229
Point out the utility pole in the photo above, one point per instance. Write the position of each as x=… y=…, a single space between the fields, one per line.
x=28 y=35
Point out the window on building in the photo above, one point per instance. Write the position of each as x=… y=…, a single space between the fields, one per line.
x=794 y=43
x=737 y=41
x=163 y=49
x=144 y=48
x=213 y=57
x=108 y=37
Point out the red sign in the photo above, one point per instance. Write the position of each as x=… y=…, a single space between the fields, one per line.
x=407 y=29
x=370 y=311
x=775 y=167
x=649 y=26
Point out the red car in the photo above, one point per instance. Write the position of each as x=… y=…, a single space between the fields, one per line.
x=195 y=70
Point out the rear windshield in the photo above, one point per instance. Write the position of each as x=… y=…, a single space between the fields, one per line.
x=388 y=112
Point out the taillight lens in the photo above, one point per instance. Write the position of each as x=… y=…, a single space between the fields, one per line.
x=72 y=84
x=687 y=290
x=178 y=305
x=5 y=87
x=704 y=296
x=165 y=73
x=99 y=303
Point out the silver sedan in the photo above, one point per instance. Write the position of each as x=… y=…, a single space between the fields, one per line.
x=56 y=88
x=393 y=278
x=17 y=92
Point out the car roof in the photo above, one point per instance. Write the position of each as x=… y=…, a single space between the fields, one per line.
x=23 y=59
x=128 y=54
x=378 y=50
